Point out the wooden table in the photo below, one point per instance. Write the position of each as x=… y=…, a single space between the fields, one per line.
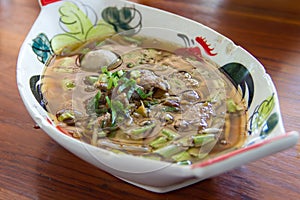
x=33 y=166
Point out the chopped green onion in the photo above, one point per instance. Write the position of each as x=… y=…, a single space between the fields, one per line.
x=202 y=139
x=129 y=84
x=68 y=84
x=110 y=83
x=142 y=94
x=169 y=150
x=113 y=111
x=182 y=156
x=93 y=104
x=108 y=101
x=159 y=142
x=66 y=116
x=103 y=78
x=117 y=110
x=195 y=152
x=110 y=78
x=170 y=134
x=184 y=162
x=104 y=70
x=151 y=103
x=120 y=73
x=142 y=129
x=101 y=134
x=232 y=106
x=171 y=109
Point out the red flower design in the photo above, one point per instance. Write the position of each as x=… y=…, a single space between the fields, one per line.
x=203 y=42
x=46 y=2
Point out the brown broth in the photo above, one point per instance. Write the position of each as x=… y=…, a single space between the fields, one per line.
x=184 y=119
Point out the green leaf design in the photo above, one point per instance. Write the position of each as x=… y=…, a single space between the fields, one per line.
x=261 y=113
x=78 y=29
x=265 y=109
x=101 y=31
x=42 y=48
x=64 y=44
x=75 y=20
x=121 y=18
x=269 y=125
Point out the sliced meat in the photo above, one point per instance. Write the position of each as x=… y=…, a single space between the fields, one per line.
x=149 y=79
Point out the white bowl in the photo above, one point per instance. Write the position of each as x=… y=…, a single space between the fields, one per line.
x=266 y=135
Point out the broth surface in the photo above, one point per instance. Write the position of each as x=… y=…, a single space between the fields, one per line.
x=147 y=98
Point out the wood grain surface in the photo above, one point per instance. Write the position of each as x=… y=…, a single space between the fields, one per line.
x=33 y=166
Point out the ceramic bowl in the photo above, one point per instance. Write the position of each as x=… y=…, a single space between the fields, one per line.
x=50 y=32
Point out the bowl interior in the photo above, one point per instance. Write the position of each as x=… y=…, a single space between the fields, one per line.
x=52 y=34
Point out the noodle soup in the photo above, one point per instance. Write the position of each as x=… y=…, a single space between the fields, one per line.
x=149 y=98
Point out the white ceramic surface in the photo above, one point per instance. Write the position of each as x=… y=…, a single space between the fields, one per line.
x=153 y=175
